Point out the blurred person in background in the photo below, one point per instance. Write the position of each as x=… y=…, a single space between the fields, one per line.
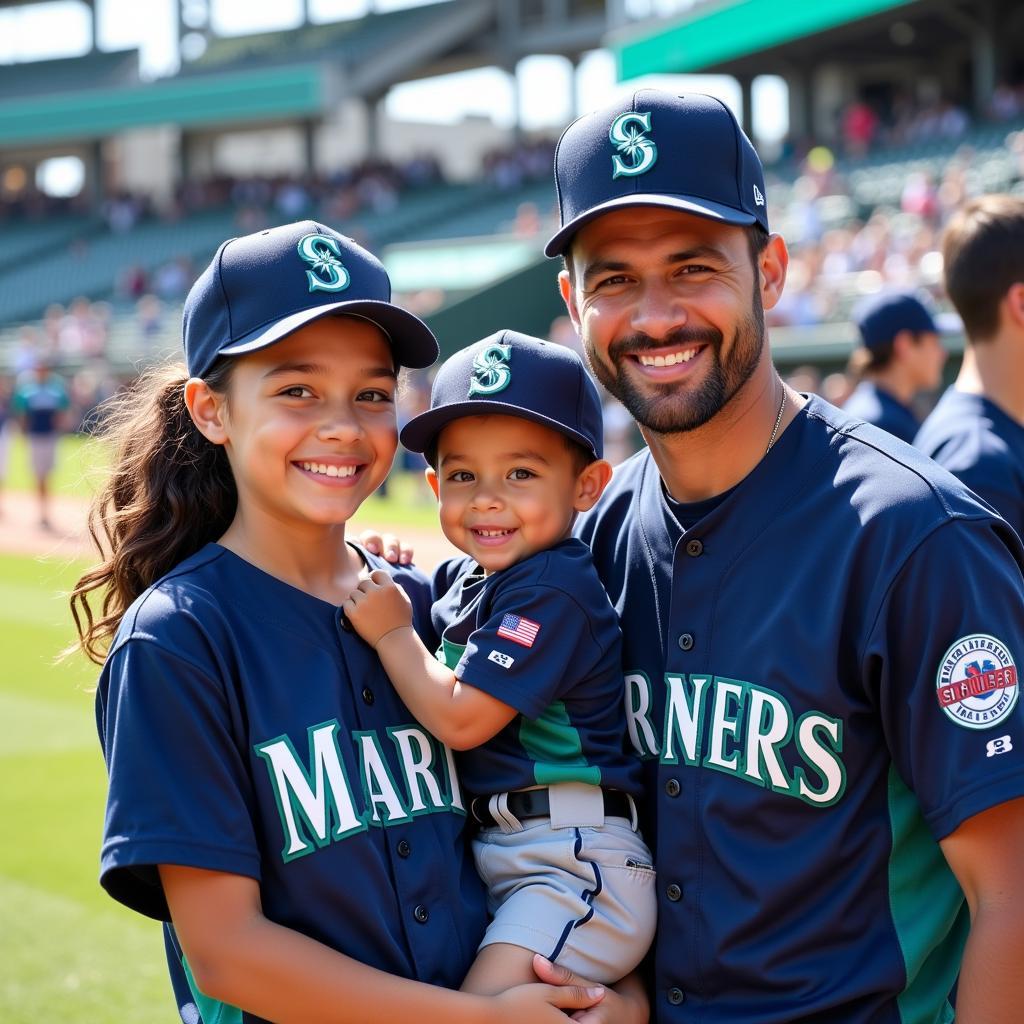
x=900 y=355
x=149 y=321
x=977 y=429
x=805 y=379
x=26 y=350
x=836 y=388
x=40 y=402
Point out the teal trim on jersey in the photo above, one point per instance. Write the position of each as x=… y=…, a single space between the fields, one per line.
x=450 y=654
x=554 y=744
x=925 y=901
x=213 y=1011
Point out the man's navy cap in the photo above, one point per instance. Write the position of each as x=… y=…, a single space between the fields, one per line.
x=684 y=152
x=882 y=317
x=512 y=374
x=260 y=288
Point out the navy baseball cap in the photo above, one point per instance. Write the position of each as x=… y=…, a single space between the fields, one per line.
x=261 y=287
x=655 y=149
x=882 y=317
x=512 y=374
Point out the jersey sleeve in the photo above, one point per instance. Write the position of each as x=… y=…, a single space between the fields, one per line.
x=179 y=789
x=534 y=647
x=417 y=587
x=945 y=653
x=996 y=481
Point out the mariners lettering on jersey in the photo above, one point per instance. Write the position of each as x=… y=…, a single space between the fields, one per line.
x=319 y=804
x=491 y=373
x=743 y=730
x=323 y=254
x=639 y=152
x=977 y=682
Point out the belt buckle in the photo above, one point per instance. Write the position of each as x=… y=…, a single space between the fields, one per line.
x=576 y=805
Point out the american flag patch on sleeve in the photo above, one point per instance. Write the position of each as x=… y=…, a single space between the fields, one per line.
x=522 y=631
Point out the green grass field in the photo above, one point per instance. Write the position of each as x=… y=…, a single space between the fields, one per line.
x=67 y=951
x=80 y=464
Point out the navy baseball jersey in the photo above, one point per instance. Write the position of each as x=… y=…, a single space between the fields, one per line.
x=873 y=404
x=542 y=637
x=246 y=729
x=821 y=675
x=982 y=445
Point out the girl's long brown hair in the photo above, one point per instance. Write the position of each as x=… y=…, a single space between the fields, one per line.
x=170 y=492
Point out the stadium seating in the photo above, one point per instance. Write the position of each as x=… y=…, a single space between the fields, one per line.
x=37 y=239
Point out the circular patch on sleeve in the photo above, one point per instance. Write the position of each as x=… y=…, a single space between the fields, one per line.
x=977 y=681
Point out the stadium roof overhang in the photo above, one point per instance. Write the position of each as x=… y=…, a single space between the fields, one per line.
x=207 y=100
x=265 y=85
x=744 y=36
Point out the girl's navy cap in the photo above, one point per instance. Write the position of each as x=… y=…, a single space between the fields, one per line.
x=512 y=374
x=260 y=288
x=682 y=152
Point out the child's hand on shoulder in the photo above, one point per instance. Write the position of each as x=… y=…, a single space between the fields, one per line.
x=378 y=606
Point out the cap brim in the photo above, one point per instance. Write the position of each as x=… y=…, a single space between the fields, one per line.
x=411 y=340
x=688 y=204
x=418 y=433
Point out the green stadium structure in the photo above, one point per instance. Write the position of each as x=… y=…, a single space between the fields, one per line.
x=713 y=35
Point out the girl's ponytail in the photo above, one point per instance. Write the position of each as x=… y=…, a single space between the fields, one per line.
x=169 y=493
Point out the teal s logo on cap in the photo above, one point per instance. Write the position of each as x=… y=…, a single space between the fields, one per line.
x=490 y=370
x=627 y=134
x=322 y=253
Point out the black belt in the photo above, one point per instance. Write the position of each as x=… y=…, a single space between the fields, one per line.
x=534 y=803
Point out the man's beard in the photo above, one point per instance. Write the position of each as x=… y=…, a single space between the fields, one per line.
x=674 y=408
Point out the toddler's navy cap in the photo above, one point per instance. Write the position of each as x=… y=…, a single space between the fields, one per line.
x=882 y=317
x=260 y=288
x=683 y=152
x=512 y=374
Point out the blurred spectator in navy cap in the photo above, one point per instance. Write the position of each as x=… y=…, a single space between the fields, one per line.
x=900 y=355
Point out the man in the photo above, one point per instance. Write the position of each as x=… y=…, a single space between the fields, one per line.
x=899 y=356
x=821 y=627
x=977 y=429
x=41 y=403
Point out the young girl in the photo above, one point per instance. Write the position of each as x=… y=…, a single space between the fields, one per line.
x=270 y=797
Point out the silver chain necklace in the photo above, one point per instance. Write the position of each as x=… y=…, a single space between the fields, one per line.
x=778 y=420
x=771 y=441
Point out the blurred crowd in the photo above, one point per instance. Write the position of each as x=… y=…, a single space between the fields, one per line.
x=840 y=251
x=841 y=247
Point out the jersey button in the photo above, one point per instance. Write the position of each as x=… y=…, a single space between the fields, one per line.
x=694 y=548
x=686 y=641
x=421 y=914
x=404 y=848
x=344 y=623
x=368 y=697
x=672 y=787
x=674 y=893
x=676 y=996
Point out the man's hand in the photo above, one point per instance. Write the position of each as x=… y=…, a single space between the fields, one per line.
x=387 y=545
x=378 y=606
x=625 y=1003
